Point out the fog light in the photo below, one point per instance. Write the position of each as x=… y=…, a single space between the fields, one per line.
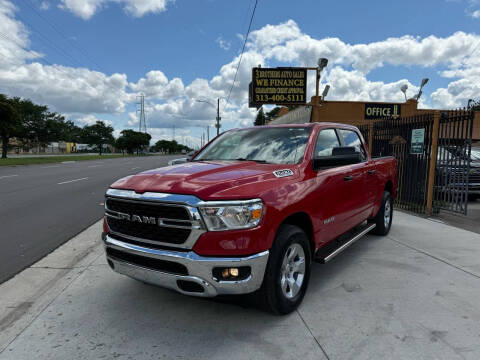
x=225 y=273
x=231 y=274
x=234 y=272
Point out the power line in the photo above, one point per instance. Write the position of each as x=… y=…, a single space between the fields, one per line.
x=56 y=29
x=51 y=44
x=243 y=50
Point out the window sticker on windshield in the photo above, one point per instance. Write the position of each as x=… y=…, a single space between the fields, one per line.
x=283 y=173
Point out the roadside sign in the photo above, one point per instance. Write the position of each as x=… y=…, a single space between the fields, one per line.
x=279 y=86
x=418 y=138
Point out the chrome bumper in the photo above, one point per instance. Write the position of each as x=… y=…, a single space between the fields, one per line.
x=199 y=269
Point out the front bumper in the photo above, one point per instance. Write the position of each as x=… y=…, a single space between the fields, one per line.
x=199 y=269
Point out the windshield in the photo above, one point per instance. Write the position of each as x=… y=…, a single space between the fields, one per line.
x=265 y=145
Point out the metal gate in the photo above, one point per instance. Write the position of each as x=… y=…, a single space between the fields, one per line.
x=426 y=185
x=392 y=137
x=452 y=169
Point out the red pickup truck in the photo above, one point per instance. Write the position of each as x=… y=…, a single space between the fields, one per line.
x=250 y=212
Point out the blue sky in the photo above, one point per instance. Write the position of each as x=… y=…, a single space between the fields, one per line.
x=179 y=51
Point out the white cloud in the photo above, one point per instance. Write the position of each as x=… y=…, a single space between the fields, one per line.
x=156 y=85
x=90 y=120
x=475 y=14
x=14 y=40
x=137 y=8
x=286 y=43
x=67 y=89
x=354 y=86
x=44 y=5
x=173 y=103
x=224 y=44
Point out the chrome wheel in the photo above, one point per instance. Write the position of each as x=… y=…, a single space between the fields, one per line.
x=292 y=272
x=387 y=213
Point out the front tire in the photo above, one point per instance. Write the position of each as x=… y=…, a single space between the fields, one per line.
x=288 y=271
x=383 y=219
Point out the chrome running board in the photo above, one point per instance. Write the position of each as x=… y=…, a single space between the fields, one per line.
x=357 y=235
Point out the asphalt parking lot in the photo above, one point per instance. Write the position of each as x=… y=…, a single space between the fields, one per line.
x=469 y=222
x=412 y=295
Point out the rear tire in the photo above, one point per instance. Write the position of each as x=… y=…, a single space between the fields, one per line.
x=383 y=219
x=288 y=271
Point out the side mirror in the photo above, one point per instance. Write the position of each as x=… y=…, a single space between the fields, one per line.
x=341 y=156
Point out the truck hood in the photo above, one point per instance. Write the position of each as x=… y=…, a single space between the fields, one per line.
x=210 y=180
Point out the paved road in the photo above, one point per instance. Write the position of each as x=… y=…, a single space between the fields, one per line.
x=42 y=206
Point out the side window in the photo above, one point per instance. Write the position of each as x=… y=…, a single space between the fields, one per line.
x=326 y=141
x=350 y=138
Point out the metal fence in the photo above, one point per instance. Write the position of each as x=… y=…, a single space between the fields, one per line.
x=426 y=185
x=393 y=138
x=452 y=169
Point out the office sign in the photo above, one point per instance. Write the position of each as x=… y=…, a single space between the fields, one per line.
x=279 y=86
x=418 y=138
x=382 y=111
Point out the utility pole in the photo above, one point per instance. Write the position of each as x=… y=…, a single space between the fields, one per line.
x=173 y=132
x=217 y=125
x=142 y=124
x=208 y=133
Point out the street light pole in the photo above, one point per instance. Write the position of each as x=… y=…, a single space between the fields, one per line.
x=218 y=118
x=217 y=125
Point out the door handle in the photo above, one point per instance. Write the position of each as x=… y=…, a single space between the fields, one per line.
x=371 y=172
x=348 y=178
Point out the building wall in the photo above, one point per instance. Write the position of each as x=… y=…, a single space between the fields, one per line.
x=353 y=113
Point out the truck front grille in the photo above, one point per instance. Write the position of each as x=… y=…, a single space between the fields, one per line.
x=147 y=209
x=149 y=222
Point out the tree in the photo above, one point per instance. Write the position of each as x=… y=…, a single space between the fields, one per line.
x=260 y=119
x=131 y=141
x=272 y=114
x=10 y=123
x=34 y=122
x=475 y=105
x=71 y=132
x=98 y=134
x=170 y=146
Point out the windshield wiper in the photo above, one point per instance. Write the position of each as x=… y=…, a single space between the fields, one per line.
x=256 y=160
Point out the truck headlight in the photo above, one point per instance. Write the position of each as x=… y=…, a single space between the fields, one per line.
x=231 y=215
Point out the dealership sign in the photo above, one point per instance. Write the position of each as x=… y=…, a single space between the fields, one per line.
x=382 y=111
x=280 y=86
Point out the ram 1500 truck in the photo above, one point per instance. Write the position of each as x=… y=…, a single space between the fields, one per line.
x=250 y=212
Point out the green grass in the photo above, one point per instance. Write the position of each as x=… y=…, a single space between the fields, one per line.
x=55 y=159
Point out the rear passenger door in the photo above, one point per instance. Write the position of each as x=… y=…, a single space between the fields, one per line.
x=358 y=204
x=330 y=195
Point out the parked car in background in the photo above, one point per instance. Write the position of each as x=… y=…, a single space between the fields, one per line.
x=177 y=161
x=183 y=159
x=455 y=171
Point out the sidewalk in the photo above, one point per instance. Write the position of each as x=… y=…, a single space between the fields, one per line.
x=414 y=294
